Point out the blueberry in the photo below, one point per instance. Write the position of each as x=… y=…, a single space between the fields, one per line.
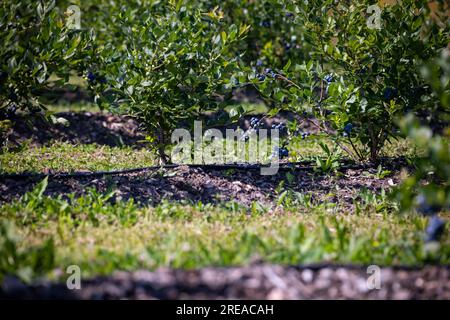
x=289 y=15
x=362 y=71
x=11 y=111
x=265 y=23
x=283 y=153
x=435 y=229
x=274 y=126
x=270 y=72
x=259 y=63
x=348 y=128
x=389 y=93
x=261 y=77
x=91 y=76
x=329 y=78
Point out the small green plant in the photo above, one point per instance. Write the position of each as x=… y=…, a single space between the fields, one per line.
x=331 y=160
x=381 y=173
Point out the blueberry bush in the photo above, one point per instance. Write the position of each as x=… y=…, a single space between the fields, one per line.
x=358 y=78
x=39 y=52
x=174 y=64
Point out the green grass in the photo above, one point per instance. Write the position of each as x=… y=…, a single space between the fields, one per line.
x=102 y=236
x=65 y=157
x=73 y=107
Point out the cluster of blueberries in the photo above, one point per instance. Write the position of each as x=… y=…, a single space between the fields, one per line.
x=282 y=152
x=9 y=112
x=267 y=72
x=255 y=124
x=280 y=126
x=92 y=77
x=302 y=134
x=265 y=24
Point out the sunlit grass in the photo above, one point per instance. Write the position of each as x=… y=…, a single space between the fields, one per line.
x=65 y=157
x=102 y=236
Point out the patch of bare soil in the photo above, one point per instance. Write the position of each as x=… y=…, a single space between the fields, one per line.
x=81 y=128
x=260 y=281
x=214 y=186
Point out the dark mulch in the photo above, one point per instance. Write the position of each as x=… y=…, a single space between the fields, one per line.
x=212 y=186
x=258 y=281
x=81 y=128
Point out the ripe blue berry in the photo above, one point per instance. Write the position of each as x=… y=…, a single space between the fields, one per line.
x=91 y=76
x=329 y=78
x=348 y=128
x=11 y=111
x=266 y=23
x=435 y=229
x=389 y=93
x=289 y=15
